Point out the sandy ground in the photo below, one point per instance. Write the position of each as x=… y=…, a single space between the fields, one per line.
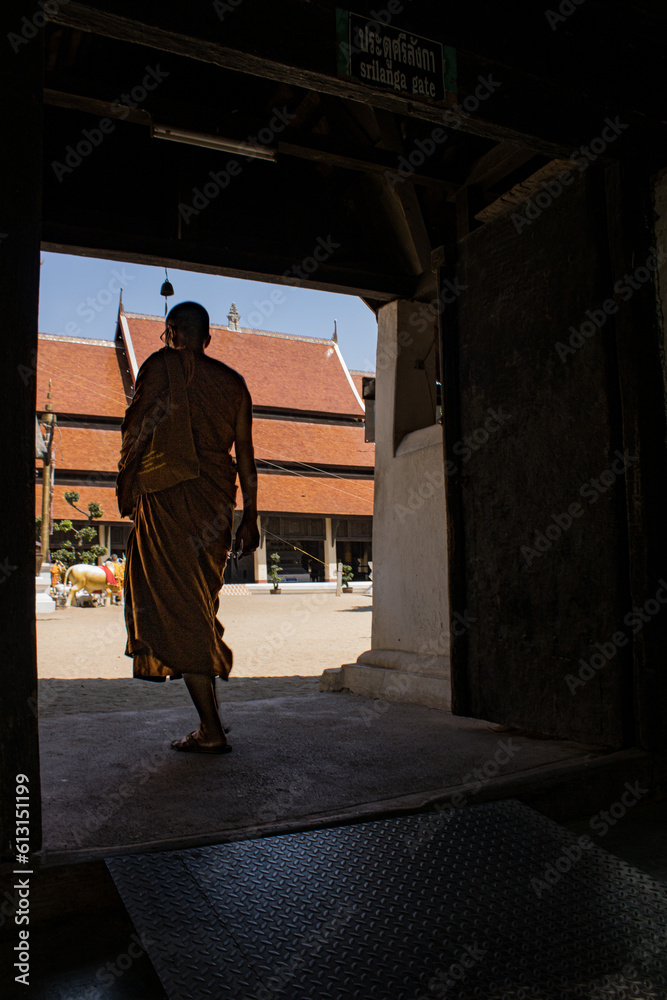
x=281 y=645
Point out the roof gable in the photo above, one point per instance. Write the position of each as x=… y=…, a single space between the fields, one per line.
x=282 y=371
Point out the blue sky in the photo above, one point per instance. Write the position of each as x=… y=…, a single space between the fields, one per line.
x=79 y=298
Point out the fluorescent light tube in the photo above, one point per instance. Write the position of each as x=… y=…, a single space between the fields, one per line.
x=213 y=142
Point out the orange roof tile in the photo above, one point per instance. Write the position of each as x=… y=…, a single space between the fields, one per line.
x=282 y=371
x=286 y=494
x=317 y=444
x=85 y=375
x=84 y=448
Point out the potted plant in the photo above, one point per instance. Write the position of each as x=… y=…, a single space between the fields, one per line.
x=347 y=578
x=274 y=573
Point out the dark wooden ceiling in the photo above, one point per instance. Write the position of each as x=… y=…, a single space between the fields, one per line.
x=333 y=183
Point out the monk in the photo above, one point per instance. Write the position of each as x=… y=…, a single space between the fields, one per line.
x=177 y=481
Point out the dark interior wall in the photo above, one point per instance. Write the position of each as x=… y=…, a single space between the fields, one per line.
x=20 y=95
x=545 y=536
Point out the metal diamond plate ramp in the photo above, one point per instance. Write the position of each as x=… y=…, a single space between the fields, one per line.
x=492 y=901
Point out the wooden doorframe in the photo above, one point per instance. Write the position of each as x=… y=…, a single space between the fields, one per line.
x=20 y=154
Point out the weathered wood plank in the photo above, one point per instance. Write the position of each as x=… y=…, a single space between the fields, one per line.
x=233 y=262
x=545 y=549
x=511 y=200
x=500 y=161
x=630 y=215
x=20 y=166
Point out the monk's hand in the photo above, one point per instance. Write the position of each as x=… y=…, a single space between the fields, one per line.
x=247 y=537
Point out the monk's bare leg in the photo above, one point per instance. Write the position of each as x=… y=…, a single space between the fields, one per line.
x=202 y=691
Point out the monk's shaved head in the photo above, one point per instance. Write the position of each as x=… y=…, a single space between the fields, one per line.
x=191 y=321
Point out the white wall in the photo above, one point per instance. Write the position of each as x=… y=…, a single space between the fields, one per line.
x=410 y=597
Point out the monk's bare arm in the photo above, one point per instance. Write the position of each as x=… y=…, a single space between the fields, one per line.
x=247 y=536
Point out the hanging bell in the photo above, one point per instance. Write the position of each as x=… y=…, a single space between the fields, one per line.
x=166 y=290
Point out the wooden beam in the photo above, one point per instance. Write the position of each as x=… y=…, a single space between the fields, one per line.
x=372 y=160
x=234 y=262
x=416 y=225
x=89 y=105
x=521 y=192
x=366 y=159
x=81 y=17
x=498 y=163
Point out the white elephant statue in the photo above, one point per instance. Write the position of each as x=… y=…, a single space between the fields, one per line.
x=90 y=578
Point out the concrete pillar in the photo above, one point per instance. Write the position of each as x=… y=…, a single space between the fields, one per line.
x=409 y=656
x=259 y=556
x=330 y=550
x=104 y=535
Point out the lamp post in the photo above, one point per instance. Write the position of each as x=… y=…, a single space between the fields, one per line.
x=49 y=420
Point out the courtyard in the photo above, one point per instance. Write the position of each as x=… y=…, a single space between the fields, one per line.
x=281 y=645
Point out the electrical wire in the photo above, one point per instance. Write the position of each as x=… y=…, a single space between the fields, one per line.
x=295 y=547
x=322 y=472
x=91 y=387
x=299 y=476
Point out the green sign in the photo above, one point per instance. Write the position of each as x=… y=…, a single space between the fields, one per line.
x=390 y=58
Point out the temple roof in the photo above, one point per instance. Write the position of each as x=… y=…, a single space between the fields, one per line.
x=282 y=371
x=303 y=380
x=282 y=494
x=86 y=376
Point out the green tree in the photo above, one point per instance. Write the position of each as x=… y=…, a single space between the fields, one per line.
x=73 y=552
x=275 y=571
x=348 y=574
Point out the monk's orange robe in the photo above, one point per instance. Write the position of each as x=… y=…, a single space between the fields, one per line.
x=177 y=480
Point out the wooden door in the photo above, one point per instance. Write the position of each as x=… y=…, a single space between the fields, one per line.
x=537 y=476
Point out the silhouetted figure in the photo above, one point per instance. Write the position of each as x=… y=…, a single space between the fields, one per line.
x=177 y=480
